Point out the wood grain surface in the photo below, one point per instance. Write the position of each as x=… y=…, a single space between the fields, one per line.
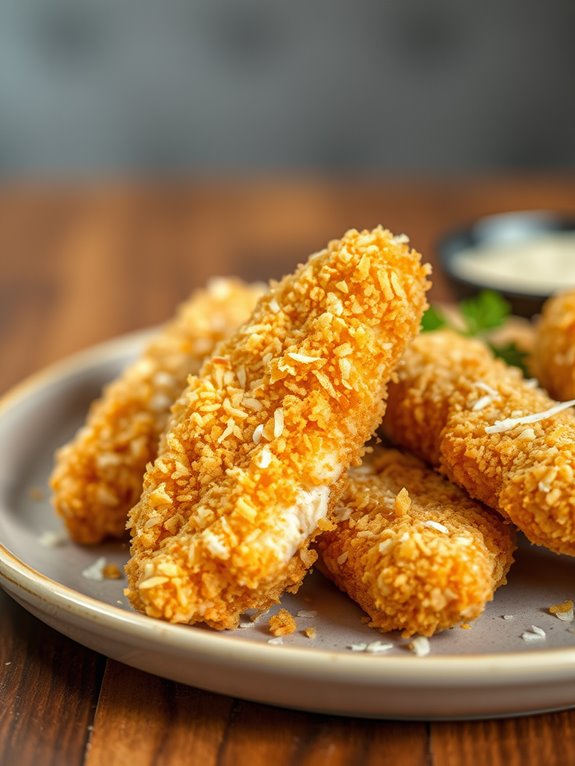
x=80 y=265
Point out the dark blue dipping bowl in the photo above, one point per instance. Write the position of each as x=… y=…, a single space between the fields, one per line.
x=496 y=230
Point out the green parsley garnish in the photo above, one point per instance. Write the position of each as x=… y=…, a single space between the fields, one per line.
x=433 y=319
x=485 y=312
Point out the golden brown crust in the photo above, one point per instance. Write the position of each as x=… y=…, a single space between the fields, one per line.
x=98 y=475
x=553 y=358
x=415 y=552
x=252 y=460
x=282 y=623
x=440 y=408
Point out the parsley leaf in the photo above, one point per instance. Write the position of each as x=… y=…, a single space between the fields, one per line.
x=512 y=354
x=486 y=311
x=433 y=319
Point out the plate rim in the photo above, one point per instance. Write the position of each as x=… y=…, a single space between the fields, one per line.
x=521 y=667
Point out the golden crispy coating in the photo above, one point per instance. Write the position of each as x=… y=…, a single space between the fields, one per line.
x=245 y=476
x=553 y=358
x=445 y=407
x=415 y=552
x=282 y=623
x=98 y=475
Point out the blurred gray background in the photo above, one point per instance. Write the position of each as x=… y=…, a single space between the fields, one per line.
x=174 y=87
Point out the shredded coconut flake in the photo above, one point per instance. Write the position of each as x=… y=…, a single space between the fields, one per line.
x=278 y=422
x=265 y=457
x=420 y=646
x=480 y=404
x=487 y=388
x=357 y=647
x=535 y=634
x=276 y=641
x=436 y=525
x=215 y=545
x=508 y=423
x=385 y=545
x=257 y=434
x=507 y=617
x=342 y=558
x=95 y=571
x=342 y=513
x=53 y=539
x=375 y=647
x=303 y=358
x=307 y=614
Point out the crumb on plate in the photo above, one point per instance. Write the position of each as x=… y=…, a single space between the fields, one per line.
x=282 y=623
x=111 y=572
x=563 y=611
x=419 y=646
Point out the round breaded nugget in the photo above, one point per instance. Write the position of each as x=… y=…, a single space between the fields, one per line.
x=250 y=466
x=490 y=431
x=553 y=357
x=98 y=476
x=414 y=551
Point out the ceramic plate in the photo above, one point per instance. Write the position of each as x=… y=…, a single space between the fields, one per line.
x=487 y=670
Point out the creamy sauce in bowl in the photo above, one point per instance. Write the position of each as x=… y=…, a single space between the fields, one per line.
x=539 y=265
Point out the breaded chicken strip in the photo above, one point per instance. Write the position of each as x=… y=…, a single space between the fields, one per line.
x=98 y=475
x=553 y=357
x=483 y=425
x=249 y=469
x=414 y=551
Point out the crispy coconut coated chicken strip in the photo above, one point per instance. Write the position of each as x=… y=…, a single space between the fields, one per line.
x=98 y=475
x=414 y=551
x=490 y=431
x=553 y=357
x=249 y=469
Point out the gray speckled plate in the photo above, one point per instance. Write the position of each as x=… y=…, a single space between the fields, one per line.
x=485 y=671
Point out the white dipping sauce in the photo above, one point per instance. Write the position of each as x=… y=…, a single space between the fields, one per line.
x=538 y=265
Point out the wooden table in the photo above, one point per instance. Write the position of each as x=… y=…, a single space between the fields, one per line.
x=79 y=265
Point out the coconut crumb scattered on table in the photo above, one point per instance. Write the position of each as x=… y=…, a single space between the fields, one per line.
x=563 y=611
x=276 y=641
x=282 y=623
x=506 y=616
x=309 y=632
x=465 y=626
x=307 y=613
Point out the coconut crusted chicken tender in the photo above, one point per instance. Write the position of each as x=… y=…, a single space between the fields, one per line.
x=414 y=551
x=553 y=357
x=98 y=475
x=490 y=431
x=249 y=468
